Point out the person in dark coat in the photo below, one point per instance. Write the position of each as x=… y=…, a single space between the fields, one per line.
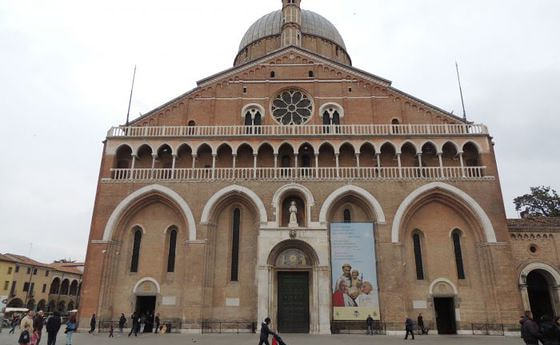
x=530 y=331
x=38 y=323
x=409 y=327
x=265 y=332
x=135 y=325
x=122 y=322
x=92 y=324
x=157 y=321
x=550 y=331
x=421 y=327
x=369 y=322
x=53 y=326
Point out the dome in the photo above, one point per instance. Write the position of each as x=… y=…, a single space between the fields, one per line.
x=311 y=24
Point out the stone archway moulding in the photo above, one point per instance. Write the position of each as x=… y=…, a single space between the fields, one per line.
x=146 y=279
x=350 y=189
x=442 y=280
x=234 y=189
x=141 y=193
x=309 y=200
x=539 y=266
x=471 y=203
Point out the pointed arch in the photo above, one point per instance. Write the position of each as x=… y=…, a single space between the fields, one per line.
x=234 y=189
x=142 y=193
x=350 y=189
x=473 y=206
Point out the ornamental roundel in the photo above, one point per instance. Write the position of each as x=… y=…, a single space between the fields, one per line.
x=292 y=107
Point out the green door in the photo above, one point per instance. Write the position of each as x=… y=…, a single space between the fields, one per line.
x=293 y=302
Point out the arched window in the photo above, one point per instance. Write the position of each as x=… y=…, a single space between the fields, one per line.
x=347 y=216
x=331 y=114
x=172 y=249
x=64 y=288
x=253 y=117
x=416 y=240
x=458 y=254
x=273 y=74
x=136 y=250
x=311 y=74
x=235 y=245
x=395 y=126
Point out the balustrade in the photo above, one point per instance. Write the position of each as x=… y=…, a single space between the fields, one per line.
x=303 y=130
x=315 y=174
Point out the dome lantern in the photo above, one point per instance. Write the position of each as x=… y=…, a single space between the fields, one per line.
x=292 y=26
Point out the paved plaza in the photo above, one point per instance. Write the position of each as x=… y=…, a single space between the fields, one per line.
x=248 y=339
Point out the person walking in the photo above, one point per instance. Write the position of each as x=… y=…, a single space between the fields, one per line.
x=369 y=323
x=53 y=326
x=92 y=324
x=550 y=331
x=265 y=332
x=530 y=331
x=421 y=327
x=38 y=323
x=122 y=322
x=71 y=326
x=135 y=325
x=157 y=321
x=15 y=322
x=409 y=327
x=111 y=331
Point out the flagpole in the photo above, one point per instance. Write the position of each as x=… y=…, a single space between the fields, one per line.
x=461 y=91
x=130 y=99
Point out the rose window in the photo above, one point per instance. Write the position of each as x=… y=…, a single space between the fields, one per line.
x=292 y=107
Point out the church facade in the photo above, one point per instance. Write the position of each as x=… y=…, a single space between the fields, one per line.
x=221 y=205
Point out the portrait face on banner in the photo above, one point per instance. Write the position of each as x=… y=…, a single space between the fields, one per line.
x=355 y=292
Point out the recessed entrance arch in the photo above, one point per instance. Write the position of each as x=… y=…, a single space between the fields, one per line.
x=540 y=289
x=291 y=283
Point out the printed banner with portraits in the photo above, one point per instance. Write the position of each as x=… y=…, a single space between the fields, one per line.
x=354 y=273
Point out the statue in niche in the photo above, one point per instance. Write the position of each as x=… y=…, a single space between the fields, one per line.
x=293 y=215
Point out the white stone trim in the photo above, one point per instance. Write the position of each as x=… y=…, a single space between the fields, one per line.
x=309 y=200
x=233 y=189
x=146 y=279
x=444 y=280
x=253 y=105
x=434 y=186
x=539 y=266
x=139 y=194
x=350 y=189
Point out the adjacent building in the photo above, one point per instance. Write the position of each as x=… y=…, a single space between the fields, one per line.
x=223 y=204
x=39 y=286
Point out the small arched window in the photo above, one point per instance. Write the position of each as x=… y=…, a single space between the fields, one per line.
x=417 y=242
x=192 y=123
x=456 y=236
x=272 y=74
x=347 y=216
x=331 y=116
x=311 y=74
x=236 y=223
x=172 y=250
x=136 y=250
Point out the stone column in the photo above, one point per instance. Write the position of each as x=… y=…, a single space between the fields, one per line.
x=254 y=165
x=337 y=165
x=173 y=165
x=132 y=166
x=440 y=158
x=462 y=163
x=399 y=164
x=213 y=166
x=317 y=165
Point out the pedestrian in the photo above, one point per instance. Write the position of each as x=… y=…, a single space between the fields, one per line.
x=550 y=331
x=111 y=330
x=53 y=326
x=157 y=321
x=122 y=322
x=265 y=332
x=135 y=325
x=38 y=323
x=421 y=324
x=142 y=323
x=71 y=326
x=530 y=331
x=409 y=327
x=15 y=322
x=369 y=322
x=35 y=337
x=92 y=323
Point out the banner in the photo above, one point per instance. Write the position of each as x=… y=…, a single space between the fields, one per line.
x=354 y=274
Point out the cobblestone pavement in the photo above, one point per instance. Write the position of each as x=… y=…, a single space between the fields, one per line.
x=248 y=339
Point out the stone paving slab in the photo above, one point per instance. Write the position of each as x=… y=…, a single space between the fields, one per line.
x=248 y=339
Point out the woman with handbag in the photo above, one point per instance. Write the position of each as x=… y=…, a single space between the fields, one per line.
x=70 y=329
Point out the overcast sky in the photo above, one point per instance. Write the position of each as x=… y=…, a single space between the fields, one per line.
x=66 y=65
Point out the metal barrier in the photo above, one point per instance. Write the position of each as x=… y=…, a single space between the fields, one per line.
x=173 y=325
x=499 y=329
x=228 y=327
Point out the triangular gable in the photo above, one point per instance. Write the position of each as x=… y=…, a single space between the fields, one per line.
x=354 y=72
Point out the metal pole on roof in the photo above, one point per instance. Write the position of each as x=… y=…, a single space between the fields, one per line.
x=130 y=99
x=461 y=92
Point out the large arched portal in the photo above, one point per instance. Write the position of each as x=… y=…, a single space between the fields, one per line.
x=538 y=289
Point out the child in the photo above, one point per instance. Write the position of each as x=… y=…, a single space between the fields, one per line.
x=35 y=337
